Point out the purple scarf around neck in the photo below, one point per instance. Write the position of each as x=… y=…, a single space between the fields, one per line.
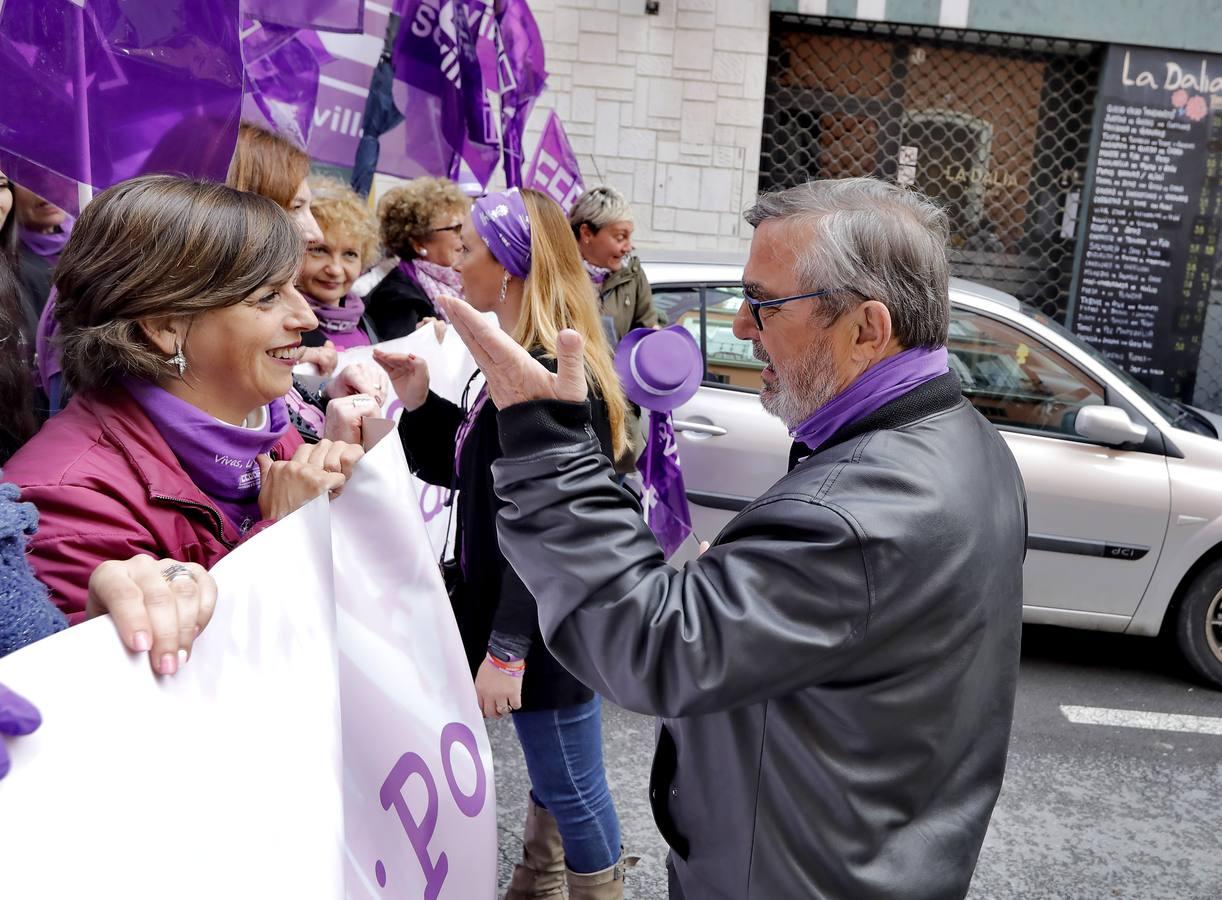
x=874 y=389
x=219 y=458
x=597 y=274
x=48 y=246
x=434 y=280
x=341 y=318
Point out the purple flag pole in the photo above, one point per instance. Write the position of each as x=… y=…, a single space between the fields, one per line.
x=80 y=90
x=664 y=498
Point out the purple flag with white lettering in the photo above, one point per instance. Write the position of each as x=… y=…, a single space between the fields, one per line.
x=98 y=91
x=554 y=170
x=522 y=77
x=664 y=499
x=442 y=92
x=320 y=15
x=479 y=53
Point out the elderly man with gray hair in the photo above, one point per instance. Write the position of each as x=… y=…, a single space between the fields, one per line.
x=836 y=674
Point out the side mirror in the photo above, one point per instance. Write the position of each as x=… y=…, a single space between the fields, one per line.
x=1108 y=425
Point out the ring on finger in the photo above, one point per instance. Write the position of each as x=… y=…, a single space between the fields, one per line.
x=175 y=572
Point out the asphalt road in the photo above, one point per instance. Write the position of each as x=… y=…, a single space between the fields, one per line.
x=1087 y=810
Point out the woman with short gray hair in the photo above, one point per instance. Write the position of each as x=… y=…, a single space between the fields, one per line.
x=602 y=223
x=601 y=220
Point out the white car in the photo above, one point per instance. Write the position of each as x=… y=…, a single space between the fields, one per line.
x=1124 y=488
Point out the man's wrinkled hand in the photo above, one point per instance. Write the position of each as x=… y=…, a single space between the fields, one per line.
x=512 y=374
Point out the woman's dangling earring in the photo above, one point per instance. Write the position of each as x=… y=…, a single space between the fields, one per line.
x=178 y=361
x=504 y=287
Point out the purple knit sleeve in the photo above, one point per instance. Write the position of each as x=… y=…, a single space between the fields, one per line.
x=26 y=615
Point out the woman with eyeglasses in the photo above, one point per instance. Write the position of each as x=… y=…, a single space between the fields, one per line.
x=420 y=224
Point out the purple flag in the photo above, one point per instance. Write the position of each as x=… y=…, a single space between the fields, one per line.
x=99 y=91
x=522 y=77
x=665 y=500
x=282 y=71
x=437 y=59
x=320 y=15
x=554 y=170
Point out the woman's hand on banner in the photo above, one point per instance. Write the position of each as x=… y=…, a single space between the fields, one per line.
x=288 y=485
x=409 y=375
x=324 y=358
x=345 y=417
x=513 y=375
x=157 y=606
x=359 y=378
x=439 y=327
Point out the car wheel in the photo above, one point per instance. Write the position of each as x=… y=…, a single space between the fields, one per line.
x=1198 y=625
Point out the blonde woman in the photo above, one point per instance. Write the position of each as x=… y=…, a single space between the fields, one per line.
x=519 y=261
x=349 y=245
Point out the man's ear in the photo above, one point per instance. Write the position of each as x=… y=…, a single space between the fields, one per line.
x=166 y=334
x=873 y=330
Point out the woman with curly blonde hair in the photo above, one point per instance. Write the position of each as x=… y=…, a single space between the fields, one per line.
x=349 y=245
x=421 y=221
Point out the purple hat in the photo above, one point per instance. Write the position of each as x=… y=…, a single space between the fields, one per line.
x=660 y=370
x=503 y=223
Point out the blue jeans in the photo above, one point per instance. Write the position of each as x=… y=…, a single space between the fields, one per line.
x=564 y=758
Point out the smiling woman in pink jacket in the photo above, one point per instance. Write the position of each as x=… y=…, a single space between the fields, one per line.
x=179 y=327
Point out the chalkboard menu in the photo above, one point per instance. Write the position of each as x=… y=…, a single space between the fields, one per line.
x=1146 y=263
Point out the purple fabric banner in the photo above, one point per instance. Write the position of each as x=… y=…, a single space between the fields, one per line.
x=321 y=15
x=664 y=499
x=441 y=91
x=116 y=88
x=554 y=170
x=428 y=74
x=282 y=71
x=479 y=54
x=522 y=76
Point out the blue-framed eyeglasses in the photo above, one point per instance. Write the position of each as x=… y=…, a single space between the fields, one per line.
x=756 y=305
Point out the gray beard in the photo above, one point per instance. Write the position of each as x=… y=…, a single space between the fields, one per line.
x=798 y=393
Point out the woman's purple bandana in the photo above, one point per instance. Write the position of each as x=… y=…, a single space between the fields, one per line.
x=503 y=223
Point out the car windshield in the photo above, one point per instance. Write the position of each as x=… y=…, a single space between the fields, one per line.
x=1175 y=412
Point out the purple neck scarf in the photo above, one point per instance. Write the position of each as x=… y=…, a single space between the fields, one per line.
x=436 y=281
x=339 y=319
x=597 y=273
x=218 y=457
x=502 y=222
x=877 y=386
x=48 y=246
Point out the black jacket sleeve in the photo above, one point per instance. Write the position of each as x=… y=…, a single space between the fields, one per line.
x=775 y=610
x=428 y=435
x=396 y=306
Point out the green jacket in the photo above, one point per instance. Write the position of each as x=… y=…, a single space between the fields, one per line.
x=625 y=296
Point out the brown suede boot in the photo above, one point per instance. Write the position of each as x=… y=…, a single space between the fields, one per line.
x=541 y=871
x=605 y=885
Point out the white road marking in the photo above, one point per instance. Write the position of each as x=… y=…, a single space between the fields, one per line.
x=1134 y=718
